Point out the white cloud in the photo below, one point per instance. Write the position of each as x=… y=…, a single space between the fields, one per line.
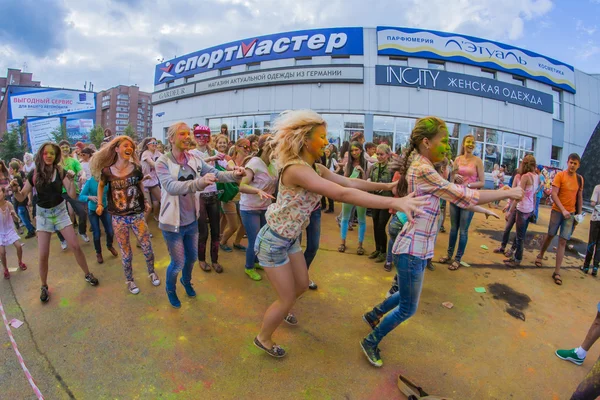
x=118 y=42
x=580 y=27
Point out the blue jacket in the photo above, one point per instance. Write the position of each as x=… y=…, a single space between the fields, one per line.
x=91 y=189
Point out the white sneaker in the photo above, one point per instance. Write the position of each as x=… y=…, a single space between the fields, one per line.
x=85 y=237
x=133 y=289
x=63 y=245
x=154 y=279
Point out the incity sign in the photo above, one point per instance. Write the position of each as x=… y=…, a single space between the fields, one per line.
x=308 y=43
x=474 y=51
x=392 y=75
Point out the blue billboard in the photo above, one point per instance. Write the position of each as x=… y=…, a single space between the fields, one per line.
x=392 y=75
x=471 y=50
x=307 y=43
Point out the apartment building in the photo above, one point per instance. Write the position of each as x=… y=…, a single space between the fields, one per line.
x=123 y=105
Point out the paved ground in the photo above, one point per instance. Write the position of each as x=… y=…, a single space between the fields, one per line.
x=104 y=343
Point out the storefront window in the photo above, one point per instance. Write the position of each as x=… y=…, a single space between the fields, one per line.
x=510 y=158
x=262 y=123
x=353 y=123
x=383 y=130
x=335 y=128
x=404 y=127
x=496 y=147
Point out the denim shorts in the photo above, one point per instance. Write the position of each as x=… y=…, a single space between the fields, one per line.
x=52 y=219
x=557 y=220
x=272 y=249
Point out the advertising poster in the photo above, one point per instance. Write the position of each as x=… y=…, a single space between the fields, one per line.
x=40 y=131
x=49 y=102
x=475 y=51
x=78 y=130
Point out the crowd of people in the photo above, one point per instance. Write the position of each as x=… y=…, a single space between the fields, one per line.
x=272 y=188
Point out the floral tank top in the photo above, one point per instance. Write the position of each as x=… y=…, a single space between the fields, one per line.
x=291 y=213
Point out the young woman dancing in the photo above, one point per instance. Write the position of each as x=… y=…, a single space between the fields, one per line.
x=49 y=178
x=356 y=168
x=117 y=166
x=414 y=245
x=257 y=187
x=149 y=155
x=89 y=194
x=231 y=222
x=209 y=203
x=300 y=139
x=380 y=172
x=183 y=176
x=524 y=209
x=467 y=171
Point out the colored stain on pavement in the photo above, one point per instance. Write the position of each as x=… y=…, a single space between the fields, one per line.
x=64 y=303
x=517 y=301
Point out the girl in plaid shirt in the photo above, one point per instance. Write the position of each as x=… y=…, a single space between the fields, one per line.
x=414 y=245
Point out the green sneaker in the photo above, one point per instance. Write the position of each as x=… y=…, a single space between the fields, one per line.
x=569 y=355
x=381 y=258
x=372 y=353
x=253 y=274
x=258 y=266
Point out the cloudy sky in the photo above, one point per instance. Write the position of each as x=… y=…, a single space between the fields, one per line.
x=111 y=42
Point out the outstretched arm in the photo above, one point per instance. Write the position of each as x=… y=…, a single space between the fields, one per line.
x=359 y=184
x=307 y=178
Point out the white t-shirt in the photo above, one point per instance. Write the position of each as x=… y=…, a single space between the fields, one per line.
x=204 y=155
x=596 y=198
x=265 y=179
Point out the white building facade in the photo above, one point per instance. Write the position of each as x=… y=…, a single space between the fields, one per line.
x=379 y=81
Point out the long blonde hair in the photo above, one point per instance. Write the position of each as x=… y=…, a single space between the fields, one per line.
x=174 y=128
x=291 y=128
x=107 y=156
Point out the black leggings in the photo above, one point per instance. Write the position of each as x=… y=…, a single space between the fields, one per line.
x=209 y=209
x=380 y=220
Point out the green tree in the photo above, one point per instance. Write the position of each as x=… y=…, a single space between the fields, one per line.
x=97 y=135
x=129 y=131
x=10 y=147
x=59 y=134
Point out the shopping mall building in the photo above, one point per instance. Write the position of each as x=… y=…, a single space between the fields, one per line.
x=380 y=80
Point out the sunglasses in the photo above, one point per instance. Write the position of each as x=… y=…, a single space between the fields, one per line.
x=152 y=142
x=245 y=147
x=203 y=136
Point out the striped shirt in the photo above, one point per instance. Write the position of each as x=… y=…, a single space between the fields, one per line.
x=418 y=238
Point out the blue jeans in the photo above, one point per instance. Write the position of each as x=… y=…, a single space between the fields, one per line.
x=106 y=220
x=394 y=229
x=522 y=220
x=460 y=220
x=402 y=304
x=512 y=219
x=183 y=249
x=313 y=236
x=253 y=220
x=361 y=213
x=24 y=215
